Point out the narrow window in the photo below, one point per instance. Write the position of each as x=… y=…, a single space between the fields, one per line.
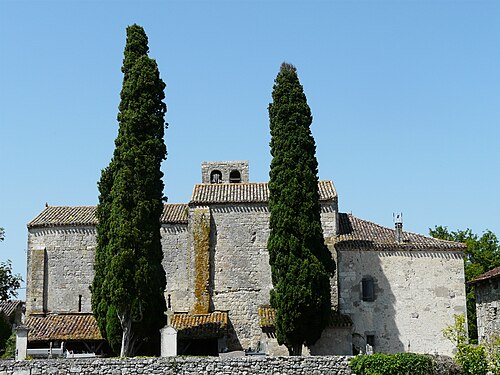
x=80 y=303
x=235 y=177
x=216 y=177
x=368 y=290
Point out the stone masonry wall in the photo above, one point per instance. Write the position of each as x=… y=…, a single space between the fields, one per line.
x=241 y=271
x=182 y=366
x=67 y=270
x=242 y=275
x=416 y=295
x=488 y=309
x=178 y=265
x=61 y=266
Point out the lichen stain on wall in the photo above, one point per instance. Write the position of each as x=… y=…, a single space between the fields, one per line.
x=201 y=244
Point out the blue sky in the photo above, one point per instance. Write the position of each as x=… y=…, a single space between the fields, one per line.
x=405 y=97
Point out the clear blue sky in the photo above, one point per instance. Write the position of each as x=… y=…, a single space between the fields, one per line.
x=405 y=97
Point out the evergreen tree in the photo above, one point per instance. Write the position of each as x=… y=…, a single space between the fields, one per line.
x=127 y=291
x=301 y=264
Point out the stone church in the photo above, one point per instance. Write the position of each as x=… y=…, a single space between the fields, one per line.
x=393 y=289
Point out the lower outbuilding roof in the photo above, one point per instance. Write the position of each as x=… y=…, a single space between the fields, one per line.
x=83 y=327
x=491 y=274
x=63 y=327
x=201 y=326
x=267 y=317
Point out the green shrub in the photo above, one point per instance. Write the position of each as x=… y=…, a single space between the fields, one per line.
x=392 y=364
x=473 y=359
x=10 y=347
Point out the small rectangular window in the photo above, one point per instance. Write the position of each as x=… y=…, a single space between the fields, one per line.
x=368 y=289
x=370 y=340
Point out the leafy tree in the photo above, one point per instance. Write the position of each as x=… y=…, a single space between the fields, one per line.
x=129 y=277
x=481 y=255
x=301 y=264
x=9 y=283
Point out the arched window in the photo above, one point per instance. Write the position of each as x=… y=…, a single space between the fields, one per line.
x=235 y=177
x=215 y=177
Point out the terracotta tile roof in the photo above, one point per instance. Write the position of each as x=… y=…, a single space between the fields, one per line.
x=8 y=307
x=267 y=317
x=67 y=327
x=62 y=215
x=340 y=320
x=174 y=214
x=355 y=233
x=86 y=215
x=251 y=192
x=491 y=274
x=201 y=326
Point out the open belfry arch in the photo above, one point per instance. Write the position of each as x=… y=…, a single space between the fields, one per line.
x=393 y=289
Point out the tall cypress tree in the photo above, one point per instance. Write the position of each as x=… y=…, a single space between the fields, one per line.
x=127 y=291
x=301 y=264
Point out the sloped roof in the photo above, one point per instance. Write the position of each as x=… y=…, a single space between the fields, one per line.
x=267 y=317
x=83 y=327
x=86 y=215
x=251 y=192
x=8 y=306
x=355 y=233
x=200 y=326
x=491 y=274
x=67 y=327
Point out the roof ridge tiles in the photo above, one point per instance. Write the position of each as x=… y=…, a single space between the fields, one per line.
x=356 y=233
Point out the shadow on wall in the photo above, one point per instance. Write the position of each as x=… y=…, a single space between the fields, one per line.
x=366 y=295
x=373 y=305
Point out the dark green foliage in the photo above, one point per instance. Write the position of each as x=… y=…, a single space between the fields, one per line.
x=129 y=277
x=301 y=264
x=482 y=254
x=5 y=331
x=2 y=234
x=10 y=347
x=392 y=364
x=9 y=283
x=473 y=359
x=113 y=330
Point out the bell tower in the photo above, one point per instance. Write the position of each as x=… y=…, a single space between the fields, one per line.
x=224 y=172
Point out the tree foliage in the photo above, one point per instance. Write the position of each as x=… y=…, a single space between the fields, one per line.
x=9 y=282
x=127 y=291
x=481 y=255
x=301 y=264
